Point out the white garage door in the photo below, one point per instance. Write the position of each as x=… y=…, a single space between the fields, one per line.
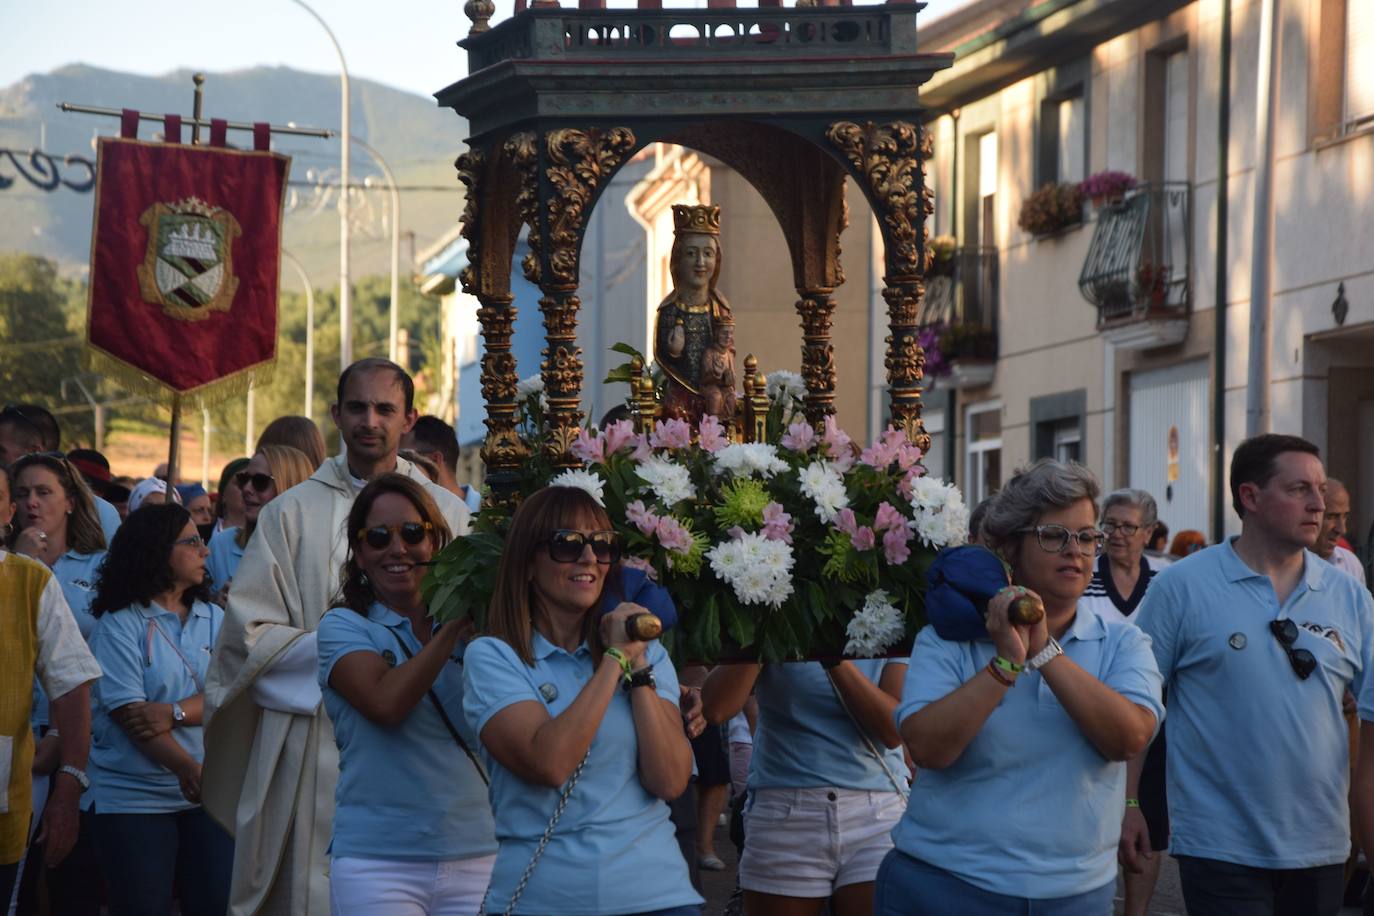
x=1169 y=439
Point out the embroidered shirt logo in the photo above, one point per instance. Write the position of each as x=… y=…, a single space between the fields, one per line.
x=188 y=267
x=1326 y=632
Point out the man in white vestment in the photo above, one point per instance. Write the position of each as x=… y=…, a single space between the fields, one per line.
x=271 y=764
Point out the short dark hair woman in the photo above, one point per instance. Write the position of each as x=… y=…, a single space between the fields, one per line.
x=579 y=725
x=154 y=632
x=1022 y=739
x=411 y=819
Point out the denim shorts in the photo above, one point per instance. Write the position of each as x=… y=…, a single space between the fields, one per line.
x=909 y=887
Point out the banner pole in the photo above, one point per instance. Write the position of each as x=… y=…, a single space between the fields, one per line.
x=172 y=448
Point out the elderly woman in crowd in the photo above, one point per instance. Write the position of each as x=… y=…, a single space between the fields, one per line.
x=1123 y=572
x=153 y=638
x=579 y=726
x=268 y=474
x=1022 y=739
x=393 y=687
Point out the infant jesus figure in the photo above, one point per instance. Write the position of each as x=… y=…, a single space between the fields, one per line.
x=717 y=384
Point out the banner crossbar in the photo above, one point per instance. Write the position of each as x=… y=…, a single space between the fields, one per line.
x=198 y=122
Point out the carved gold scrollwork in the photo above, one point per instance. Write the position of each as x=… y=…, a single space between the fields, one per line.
x=579 y=160
x=523 y=150
x=470 y=166
x=503 y=452
x=905 y=360
x=562 y=371
x=817 y=309
x=888 y=156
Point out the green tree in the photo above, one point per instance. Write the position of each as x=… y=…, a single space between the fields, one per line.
x=40 y=332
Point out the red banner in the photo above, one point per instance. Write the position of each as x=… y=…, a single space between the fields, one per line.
x=184 y=263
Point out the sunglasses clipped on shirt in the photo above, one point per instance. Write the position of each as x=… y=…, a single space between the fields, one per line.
x=1302 y=660
x=566 y=546
x=260 y=482
x=378 y=537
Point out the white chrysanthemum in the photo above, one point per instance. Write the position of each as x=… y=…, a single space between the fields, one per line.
x=875 y=627
x=757 y=569
x=785 y=385
x=747 y=459
x=532 y=387
x=670 y=481
x=940 y=518
x=822 y=482
x=582 y=480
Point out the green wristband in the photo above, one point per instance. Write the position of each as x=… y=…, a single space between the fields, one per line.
x=623 y=660
x=1007 y=665
x=1132 y=803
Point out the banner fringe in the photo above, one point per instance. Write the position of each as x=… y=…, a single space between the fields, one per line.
x=138 y=382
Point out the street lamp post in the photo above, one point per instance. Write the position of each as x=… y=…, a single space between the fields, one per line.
x=345 y=293
x=291 y=259
x=395 y=244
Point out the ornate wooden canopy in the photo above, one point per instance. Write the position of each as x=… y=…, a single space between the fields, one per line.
x=795 y=99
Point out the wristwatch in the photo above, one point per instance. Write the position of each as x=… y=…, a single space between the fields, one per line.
x=644 y=677
x=80 y=776
x=1046 y=655
x=178 y=715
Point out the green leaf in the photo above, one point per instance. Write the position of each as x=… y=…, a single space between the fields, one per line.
x=738 y=622
x=626 y=349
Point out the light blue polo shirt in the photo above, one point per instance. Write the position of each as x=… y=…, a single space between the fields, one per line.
x=1258 y=760
x=77 y=573
x=224 y=557
x=407 y=792
x=109 y=518
x=1031 y=808
x=147 y=655
x=806 y=740
x=614 y=850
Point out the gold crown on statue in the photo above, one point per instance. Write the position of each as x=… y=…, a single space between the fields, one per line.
x=702 y=218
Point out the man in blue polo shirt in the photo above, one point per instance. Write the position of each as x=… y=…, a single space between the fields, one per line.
x=1258 y=639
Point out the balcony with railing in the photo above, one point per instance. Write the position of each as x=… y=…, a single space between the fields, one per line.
x=959 y=316
x=1138 y=269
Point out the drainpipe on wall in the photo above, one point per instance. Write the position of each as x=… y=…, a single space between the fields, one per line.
x=1257 y=396
x=1219 y=340
x=952 y=396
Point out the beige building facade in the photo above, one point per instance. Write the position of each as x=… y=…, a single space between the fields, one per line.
x=1127 y=383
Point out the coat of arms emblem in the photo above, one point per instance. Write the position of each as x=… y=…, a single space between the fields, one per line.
x=188 y=268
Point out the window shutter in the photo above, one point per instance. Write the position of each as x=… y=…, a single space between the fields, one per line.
x=1359 y=61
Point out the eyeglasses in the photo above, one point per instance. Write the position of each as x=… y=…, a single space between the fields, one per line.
x=194 y=540
x=566 y=546
x=378 y=537
x=1054 y=538
x=1302 y=660
x=1111 y=528
x=260 y=482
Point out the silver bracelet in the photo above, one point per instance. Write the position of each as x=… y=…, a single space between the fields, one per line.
x=1046 y=655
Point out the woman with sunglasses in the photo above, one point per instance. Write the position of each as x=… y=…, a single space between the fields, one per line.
x=1022 y=739
x=412 y=826
x=271 y=472
x=154 y=633
x=579 y=726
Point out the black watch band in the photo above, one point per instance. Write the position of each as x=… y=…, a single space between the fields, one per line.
x=643 y=677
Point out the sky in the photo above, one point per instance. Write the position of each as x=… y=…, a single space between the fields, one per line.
x=408 y=44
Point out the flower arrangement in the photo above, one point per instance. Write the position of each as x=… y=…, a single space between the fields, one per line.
x=800 y=546
x=1052 y=208
x=1108 y=187
x=941 y=249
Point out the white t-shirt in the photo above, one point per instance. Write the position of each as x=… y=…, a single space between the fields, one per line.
x=1347 y=562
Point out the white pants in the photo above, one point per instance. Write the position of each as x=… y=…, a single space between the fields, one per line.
x=388 y=887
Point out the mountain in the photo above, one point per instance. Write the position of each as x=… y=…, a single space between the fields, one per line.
x=418 y=139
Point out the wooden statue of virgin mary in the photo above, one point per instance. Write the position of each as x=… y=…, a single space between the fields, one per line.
x=687 y=320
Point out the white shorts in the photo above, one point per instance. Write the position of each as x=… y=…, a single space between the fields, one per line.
x=808 y=842
x=390 y=887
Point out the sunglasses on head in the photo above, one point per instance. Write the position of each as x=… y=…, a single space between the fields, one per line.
x=566 y=546
x=1302 y=660
x=378 y=537
x=260 y=482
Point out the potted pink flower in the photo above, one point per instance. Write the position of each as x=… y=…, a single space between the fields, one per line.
x=1107 y=188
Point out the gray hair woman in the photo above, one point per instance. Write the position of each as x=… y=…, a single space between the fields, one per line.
x=1123 y=571
x=1023 y=738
